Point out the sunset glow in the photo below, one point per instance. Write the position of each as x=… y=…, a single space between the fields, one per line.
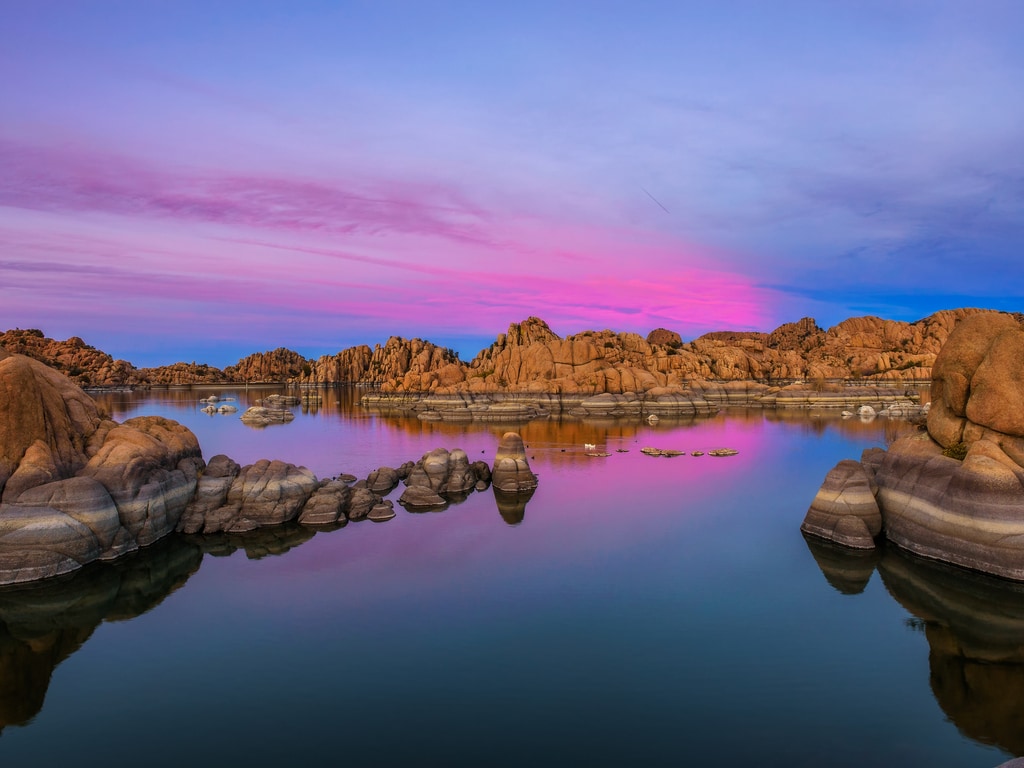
x=180 y=183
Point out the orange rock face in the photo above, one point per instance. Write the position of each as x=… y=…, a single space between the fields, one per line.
x=45 y=418
x=75 y=486
x=401 y=365
x=277 y=365
x=955 y=494
x=84 y=365
x=530 y=357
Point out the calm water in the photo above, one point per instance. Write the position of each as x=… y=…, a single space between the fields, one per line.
x=639 y=611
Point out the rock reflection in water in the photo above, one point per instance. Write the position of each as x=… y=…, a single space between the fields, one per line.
x=848 y=570
x=975 y=629
x=512 y=506
x=974 y=625
x=261 y=542
x=43 y=624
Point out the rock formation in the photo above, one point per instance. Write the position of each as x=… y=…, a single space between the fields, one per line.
x=511 y=472
x=956 y=492
x=442 y=475
x=182 y=373
x=531 y=358
x=276 y=365
x=83 y=364
x=401 y=365
x=75 y=486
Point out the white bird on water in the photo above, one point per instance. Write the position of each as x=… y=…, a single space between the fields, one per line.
x=589 y=446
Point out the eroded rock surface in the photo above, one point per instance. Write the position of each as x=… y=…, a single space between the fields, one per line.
x=511 y=472
x=75 y=486
x=956 y=492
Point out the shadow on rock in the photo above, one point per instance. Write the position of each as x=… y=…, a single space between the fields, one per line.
x=43 y=624
x=975 y=630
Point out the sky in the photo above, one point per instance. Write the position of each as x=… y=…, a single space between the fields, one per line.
x=201 y=180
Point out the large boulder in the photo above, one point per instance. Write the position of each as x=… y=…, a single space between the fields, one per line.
x=956 y=492
x=264 y=493
x=327 y=505
x=44 y=414
x=511 y=472
x=844 y=509
x=977 y=380
x=76 y=487
x=150 y=466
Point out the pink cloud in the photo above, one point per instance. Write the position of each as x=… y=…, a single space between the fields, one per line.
x=172 y=251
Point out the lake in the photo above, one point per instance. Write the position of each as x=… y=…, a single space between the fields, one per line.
x=637 y=611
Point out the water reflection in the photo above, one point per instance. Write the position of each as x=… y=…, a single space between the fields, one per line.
x=512 y=506
x=848 y=570
x=975 y=629
x=974 y=625
x=262 y=542
x=43 y=624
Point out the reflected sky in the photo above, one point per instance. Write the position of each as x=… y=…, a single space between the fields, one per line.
x=656 y=611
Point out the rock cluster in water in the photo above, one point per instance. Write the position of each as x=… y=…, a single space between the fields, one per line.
x=76 y=487
x=955 y=492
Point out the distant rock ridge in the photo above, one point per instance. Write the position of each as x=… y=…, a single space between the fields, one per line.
x=76 y=487
x=955 y=492
x=530 y=357
x=279 y=364
x=400 y=365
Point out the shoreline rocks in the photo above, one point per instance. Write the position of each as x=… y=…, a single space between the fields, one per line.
x=954 y=493
x=76 y=487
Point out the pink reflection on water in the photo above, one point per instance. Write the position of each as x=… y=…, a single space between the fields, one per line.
x=586 y=509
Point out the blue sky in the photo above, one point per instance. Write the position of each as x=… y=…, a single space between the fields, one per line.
x=187 y=181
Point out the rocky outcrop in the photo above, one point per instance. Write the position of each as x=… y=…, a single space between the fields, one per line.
x=182 y=373
x=401 y=365
x=664 y=337
x=264 y=493
x=956 y=492
x=280 y=364
x=511 y=472
x=844 y=509
x=75 y=486
x=83 y=364
x=49 y=428
x=442 y=475
x=531 y=358
x=262 y=416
